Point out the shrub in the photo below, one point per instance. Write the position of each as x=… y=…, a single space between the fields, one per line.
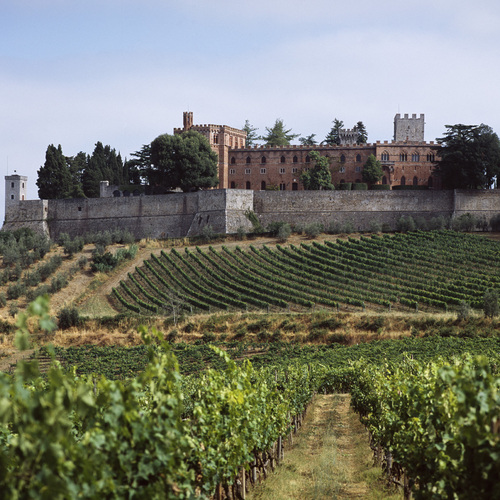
x=103 y=262
x=421 y=223
x=313 y=230
x=241 y=233
x=3 y=300
x=345 y=186
x=437 y=223
x=274 y=227
x=68 y=317
x=463 y=312
x=464 y=223
x=347 y=228
x=33 y=278
x=254 y=220
x=375 y=226
x=73 y=246
x=209 y=337
x=490 y=303
x=380 y=187
x=82 y=262
x=495 y=223
x=360 y=186
x=208 y=233
x=284 y=233
x=15 y=290
x=299 y=228
x=333 y=228
x=405 y=224
x=58 y=283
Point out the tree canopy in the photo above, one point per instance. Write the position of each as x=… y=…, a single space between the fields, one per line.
x=252 y=135
x=183 y=161
x=333 y=137
x=308 y=140
x=56 y=180
x=362 y=133
x=469 y=157
x=278 y=135
x=372 y=171
x=318 y=177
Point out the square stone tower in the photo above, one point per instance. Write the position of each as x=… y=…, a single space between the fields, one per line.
x=15 y=189
x=409 y=129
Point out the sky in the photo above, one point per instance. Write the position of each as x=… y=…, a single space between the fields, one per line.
x=75 y=72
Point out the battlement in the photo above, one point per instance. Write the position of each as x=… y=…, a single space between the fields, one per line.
x=409 y=129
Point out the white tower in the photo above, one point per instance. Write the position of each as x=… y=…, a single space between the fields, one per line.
x=15 y=189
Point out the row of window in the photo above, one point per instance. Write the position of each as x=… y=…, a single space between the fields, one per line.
x=295 y=170
x=404 y=157
x=263 y=186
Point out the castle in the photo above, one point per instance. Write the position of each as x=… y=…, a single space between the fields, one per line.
x=406 y=160
x=264 y=180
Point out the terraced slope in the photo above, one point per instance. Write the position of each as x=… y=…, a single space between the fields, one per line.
x=434 y=270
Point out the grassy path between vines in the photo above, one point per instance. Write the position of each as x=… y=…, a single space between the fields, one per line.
x=330 y=459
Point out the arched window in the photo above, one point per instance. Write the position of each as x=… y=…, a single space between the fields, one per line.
x=308 y=159
x=430 y=157
x=358 y=158
x=403 y=181
x=248 y=160
x=342 y=158
x=415 y=181
x=116 y=193
x=263 y=185
x=282 y=159
x=282 y=186
x=403 y=157
x=415 y=157
x=233 y=160
x=263 y=159
x=384 y=156
x=295 y=159
x=295 y=186
x=384 y=180
x=233 y=185
x=430 y=182
x=248 y=185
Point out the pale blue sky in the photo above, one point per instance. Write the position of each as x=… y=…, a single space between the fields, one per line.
x=74 y=72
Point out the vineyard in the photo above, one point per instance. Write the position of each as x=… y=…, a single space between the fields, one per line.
x=432 y=270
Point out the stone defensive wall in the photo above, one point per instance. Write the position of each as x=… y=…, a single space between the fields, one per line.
x=186 y=214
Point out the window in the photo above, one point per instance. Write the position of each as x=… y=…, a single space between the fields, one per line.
x=11 y=196
x=430 y=157
x=232 y=171
x=342 y=170
x=403 y=157
x=384 y=180
x=248 y=185
x=358 y=158
x=358 y=169
x=415 y=181
x=262 y=170
x=282 y=159
x=415 y=157
x=11 y=184
x=248 y=170
x=403 y=181
x=23 y=185
x=282 y=170
x=295 y=186
x=342 y=158
x=295 y=159
x=248 y=160
x=263 y=159
x=282 y=186
x=295 y=170
x=385 y=156
x=233 y=185
x=233 y=160
x=263 y=185
x=308 y=159
x=430 y=182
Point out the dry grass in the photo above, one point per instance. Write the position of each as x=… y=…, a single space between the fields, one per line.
x=330 y=459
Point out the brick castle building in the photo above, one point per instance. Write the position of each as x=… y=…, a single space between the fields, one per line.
x=406 y=160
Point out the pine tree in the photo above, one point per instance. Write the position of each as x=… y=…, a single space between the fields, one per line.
x=278 y=135
x=333 y=137
x=362 y=134
x=252 y=136
x=319 y=177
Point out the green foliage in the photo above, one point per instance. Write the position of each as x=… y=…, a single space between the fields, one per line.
x=241 y=233
x=252 y=135
x=372 y=170
x=284 y=232
x=464 y=311
x=362 y=133
x=278 y=135
x=313 y=230
x=465 y=222
x=405 y=224
x=308 y=140
x=333 y=137
x=344 y=186
x=68 y=317
x=490 y=303
x=469 y=157
x=54 y=177
x=254 y=220
x=183 y=161
x=318 y=177
x=207 y=233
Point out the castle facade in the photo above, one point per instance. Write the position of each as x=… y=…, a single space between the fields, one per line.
x=406 y=160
